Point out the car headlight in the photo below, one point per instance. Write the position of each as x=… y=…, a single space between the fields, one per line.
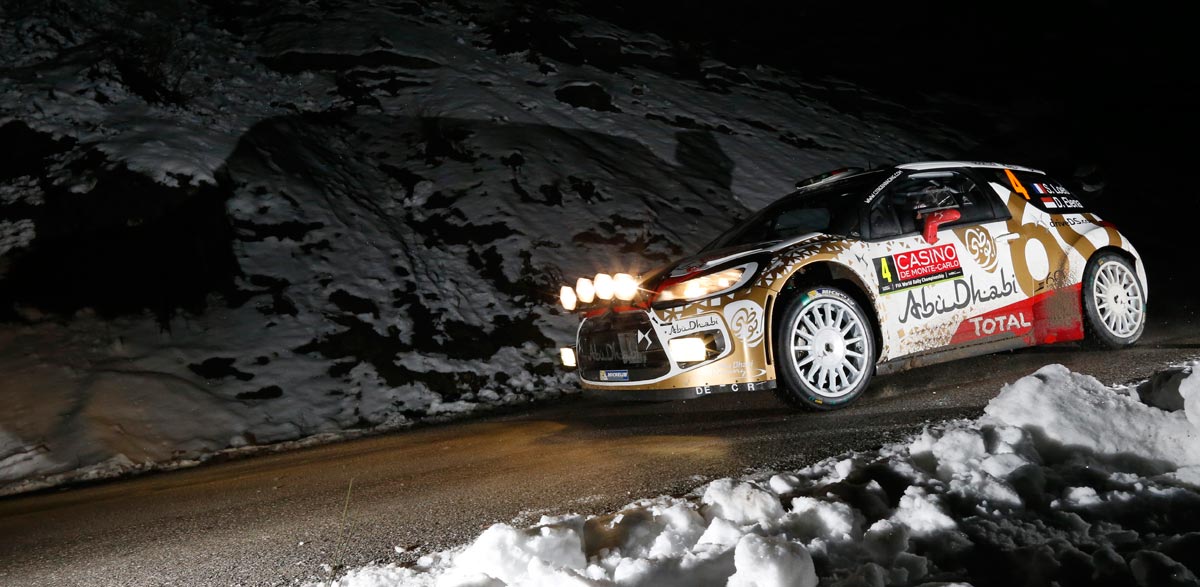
x=708 y=285
x=688 y=350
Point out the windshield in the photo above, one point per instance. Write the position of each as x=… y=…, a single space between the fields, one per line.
x=830 y=209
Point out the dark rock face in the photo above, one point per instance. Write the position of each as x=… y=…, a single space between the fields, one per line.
x=299 y=219
x=219 y=368
x=586 y=95
x=109 y=238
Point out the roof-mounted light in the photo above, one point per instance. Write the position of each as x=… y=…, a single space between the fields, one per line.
x=585 y=290
x=566 y=297
x=625 y=286
x=604 y=285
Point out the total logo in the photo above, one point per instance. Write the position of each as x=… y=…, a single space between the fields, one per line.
x=1014 y=322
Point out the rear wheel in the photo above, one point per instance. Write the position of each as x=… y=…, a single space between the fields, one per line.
x=826 y=350
x=1114 y=304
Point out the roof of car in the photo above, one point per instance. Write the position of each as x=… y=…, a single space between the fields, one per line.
x=920 y=165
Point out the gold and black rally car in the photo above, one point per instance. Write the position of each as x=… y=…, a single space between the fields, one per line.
x=863 y=272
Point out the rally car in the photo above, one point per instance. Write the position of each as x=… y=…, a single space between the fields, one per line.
x=860 y=272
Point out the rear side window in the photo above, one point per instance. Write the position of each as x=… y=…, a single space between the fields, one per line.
x=1045 y=193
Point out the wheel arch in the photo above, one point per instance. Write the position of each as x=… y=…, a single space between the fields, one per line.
x=1088 y=244
x=1128 y=255
x=825 y=272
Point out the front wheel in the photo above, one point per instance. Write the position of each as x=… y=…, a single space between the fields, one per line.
x=1114 y=304
x=826 y=350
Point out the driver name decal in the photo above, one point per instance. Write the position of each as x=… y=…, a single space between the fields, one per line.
x=913 y=268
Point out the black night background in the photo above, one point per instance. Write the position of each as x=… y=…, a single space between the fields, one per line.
x=279 y=293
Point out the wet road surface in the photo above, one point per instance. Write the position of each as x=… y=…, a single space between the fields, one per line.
x=277 y=519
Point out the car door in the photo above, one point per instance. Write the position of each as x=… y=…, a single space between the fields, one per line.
x=1047 y=271
x=998 y=311
x=929 y=290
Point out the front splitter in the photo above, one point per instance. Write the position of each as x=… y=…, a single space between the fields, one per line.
x=676 y=393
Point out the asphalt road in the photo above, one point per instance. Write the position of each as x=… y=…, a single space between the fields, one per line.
x=277 y=519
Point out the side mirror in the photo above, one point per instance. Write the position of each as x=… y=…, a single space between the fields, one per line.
x=935 y=219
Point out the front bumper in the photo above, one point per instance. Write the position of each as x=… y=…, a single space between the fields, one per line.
x=628 y=355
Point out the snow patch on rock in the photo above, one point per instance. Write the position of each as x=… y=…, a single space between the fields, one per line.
x=399 y=189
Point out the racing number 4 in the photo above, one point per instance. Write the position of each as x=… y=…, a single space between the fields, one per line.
x=884 y=270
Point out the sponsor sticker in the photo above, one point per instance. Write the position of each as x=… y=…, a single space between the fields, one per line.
x=890 y=179
x=1070 y=222
x=1013 y=320
x=701 y=322
x=743 y=369
x=982 y=246
x=966 y=293
x=614 y=375
x=745 y=318
x=990 y=325
x=914 y=268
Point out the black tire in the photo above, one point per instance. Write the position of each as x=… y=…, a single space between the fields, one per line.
x=1110 y=334
x=797 y=366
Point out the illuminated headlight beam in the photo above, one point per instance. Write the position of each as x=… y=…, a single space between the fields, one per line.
x=566 y=296
x=567 y=354
x=585 y=290
x=688 y=350
x=604 y=286
x=625 y=286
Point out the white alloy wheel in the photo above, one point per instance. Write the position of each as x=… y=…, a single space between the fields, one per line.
x=1118 y=299
x=829 y=347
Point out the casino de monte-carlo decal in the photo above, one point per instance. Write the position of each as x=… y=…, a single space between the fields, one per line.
x=914 y=268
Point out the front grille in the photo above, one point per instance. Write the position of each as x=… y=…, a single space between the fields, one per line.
x=620 y=341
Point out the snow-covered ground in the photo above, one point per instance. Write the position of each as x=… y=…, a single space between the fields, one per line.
x=381 y=198
x=1063 y=481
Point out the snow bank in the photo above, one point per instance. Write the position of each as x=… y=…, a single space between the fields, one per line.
x=1063 y=481
x=394 y=192
x=1069 y=412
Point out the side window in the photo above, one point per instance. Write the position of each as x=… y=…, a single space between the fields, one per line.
x=882 y=221
x=974 y=204
x=897 y=211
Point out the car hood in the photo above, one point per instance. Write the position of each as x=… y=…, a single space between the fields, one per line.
x=709 y=259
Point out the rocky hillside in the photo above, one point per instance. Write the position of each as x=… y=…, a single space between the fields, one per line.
x=225 y=226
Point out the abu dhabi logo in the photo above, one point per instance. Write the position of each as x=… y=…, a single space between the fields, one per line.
x=745 y=319
x=982 y=246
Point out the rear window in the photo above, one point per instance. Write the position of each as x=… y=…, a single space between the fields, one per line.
x=1045 y=193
